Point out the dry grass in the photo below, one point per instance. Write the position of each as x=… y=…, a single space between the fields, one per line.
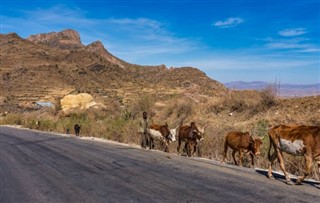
x=121 y=124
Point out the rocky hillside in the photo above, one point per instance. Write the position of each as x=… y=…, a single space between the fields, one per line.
x=49 y=66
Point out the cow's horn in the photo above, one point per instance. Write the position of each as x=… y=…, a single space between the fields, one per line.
x=204 y=127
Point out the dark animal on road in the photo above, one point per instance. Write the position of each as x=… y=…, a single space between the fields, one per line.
x=77 y=129
x=298 y=140
x=242 y=143
x=190 y=135
x=162 y=133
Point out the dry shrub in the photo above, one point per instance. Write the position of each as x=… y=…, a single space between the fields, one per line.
x=112 y=107
x=12 y=119
x=143 y=103
x=232 y=102
x=115 y=128
x=130 y=132
x=179 y=110
x=235 y=104
x=269 y=95
x=215 y=107
x=48 y=125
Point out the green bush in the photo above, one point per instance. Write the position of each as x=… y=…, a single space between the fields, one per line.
x=47 y=125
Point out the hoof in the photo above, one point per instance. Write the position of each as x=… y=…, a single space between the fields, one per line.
x=290 y=182
x=271 y=177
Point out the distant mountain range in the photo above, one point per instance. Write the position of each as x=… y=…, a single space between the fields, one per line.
x=285 y=90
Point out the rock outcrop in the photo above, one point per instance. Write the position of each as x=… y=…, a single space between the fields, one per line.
x=66 y=39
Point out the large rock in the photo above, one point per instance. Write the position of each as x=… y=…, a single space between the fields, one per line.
x=80 y=101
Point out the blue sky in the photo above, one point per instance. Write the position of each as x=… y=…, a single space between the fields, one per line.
x=236 y=40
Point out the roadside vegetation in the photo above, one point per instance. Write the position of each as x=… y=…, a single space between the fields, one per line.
x=238 y=110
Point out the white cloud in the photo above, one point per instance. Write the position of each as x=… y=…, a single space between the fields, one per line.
x=230 y=22
x=309 y=50
x=140 y=22
x=294 y=44
x=292 y=32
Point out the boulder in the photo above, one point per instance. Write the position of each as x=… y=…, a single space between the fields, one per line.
x=81 y=101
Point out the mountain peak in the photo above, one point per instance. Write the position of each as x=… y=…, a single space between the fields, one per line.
x=97 y=47
x=66 y=39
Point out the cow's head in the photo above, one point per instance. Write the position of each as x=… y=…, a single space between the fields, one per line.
x=202 y=132
x=166 y=132
x=255 y=145
x=174 y=132
x=196 y=132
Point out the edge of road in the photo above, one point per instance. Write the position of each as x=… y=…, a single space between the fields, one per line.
x=199 y=159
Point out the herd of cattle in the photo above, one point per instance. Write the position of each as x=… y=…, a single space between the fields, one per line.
x=297 y=140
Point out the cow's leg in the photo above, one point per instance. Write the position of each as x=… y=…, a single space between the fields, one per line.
x=225 y=152
x=166 y=146
x=199 y=152
x=234 y=158
x=240 y=157
x=307 y=169
x=252 y=159
x=191 y=149
x=147 y=140
x=271 y=160
x=150 y=140
x=151 y=143
x=281 y=162
x=188 y=149
x=143 y=140
x=194 y=148
x=178 y=147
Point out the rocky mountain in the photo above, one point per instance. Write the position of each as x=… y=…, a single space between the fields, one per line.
x=52 y=65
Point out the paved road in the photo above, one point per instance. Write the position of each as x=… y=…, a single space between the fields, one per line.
x=43 y=167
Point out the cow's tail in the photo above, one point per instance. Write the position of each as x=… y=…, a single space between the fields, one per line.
x=270 y=146
x=225 y=149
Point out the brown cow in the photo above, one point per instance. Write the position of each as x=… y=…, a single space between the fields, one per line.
x=162 y=133
x=298 y=140
x=190 y=135
x=243 y=143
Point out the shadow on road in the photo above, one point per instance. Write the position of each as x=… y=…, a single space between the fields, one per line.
x=281 y=178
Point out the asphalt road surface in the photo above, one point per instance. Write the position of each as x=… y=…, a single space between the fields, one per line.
x=44 y=167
